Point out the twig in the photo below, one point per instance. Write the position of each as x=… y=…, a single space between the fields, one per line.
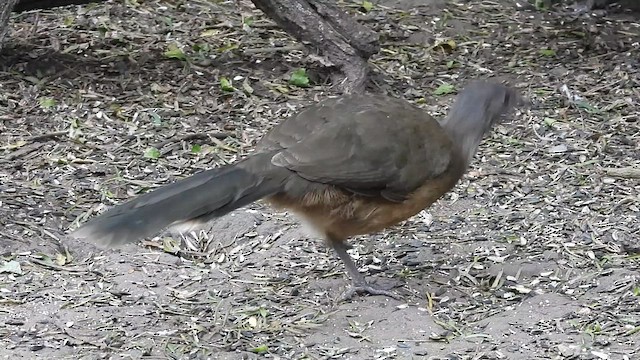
x=272 y=49
x=46 y=136
x=24 y=150
x=57 y=267
x=221 y=145
x=24 y=147
x=187 y=137
x=628 y=172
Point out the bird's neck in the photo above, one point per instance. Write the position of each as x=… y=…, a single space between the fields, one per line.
x=465 y=140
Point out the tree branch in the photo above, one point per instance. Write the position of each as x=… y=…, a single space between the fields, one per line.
x=343 y=42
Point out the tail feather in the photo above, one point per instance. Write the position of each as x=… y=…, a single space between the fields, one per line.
x=198 y=198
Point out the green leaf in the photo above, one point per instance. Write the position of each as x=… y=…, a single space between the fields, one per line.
x=366 y=6
x=540 y=5
x=227 y=47
x=152 y=153
x=543 y=92
x=447 y=45
x=549 y=121
x=587 y=107
x=196 y=148
x=201 y=48
x=108 y=194
x=260 y=349
x=155 y=119
x=451 y=64
x=299 y=78
x=47 y=103
x=547 y=52
x=263 y=312
x=444 y=89
x=226 y=85
x=61 y=259
x=174 y=52
x=281 y=89
x=12 y=267
x=210 y=32
x=170 y=245
x=103 y=29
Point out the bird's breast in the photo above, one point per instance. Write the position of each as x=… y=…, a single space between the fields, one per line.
x=334 y=211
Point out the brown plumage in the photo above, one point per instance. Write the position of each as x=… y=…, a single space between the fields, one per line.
x=351 y=165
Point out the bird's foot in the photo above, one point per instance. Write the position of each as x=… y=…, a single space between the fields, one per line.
x=365 y=288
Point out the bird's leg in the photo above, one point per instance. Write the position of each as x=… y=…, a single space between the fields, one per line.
x=359 y=285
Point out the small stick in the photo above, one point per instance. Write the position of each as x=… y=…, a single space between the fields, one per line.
x=628 y=172
x=46 y=135
x=272 y=49
x=187 y=137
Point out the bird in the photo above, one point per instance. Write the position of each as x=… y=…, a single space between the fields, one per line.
x=349 y=165
x=586 y=6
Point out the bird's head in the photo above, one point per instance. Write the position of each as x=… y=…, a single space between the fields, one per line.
x=478 y=107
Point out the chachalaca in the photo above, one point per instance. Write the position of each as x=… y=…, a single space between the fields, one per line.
x=586 y=6
x=349 y=165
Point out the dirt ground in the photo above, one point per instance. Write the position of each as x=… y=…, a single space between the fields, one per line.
x=534 y=255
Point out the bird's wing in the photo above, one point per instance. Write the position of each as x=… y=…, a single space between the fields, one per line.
x=371 y=145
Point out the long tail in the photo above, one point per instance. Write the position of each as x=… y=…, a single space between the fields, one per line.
x=198 y=198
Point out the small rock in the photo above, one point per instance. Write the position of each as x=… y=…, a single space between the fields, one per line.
x=36 y=347
x=568 y=350
x=420 y=352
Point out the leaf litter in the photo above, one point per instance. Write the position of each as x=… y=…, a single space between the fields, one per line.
x=533 y=255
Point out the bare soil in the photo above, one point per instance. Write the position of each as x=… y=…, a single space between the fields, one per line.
x=534 y=255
